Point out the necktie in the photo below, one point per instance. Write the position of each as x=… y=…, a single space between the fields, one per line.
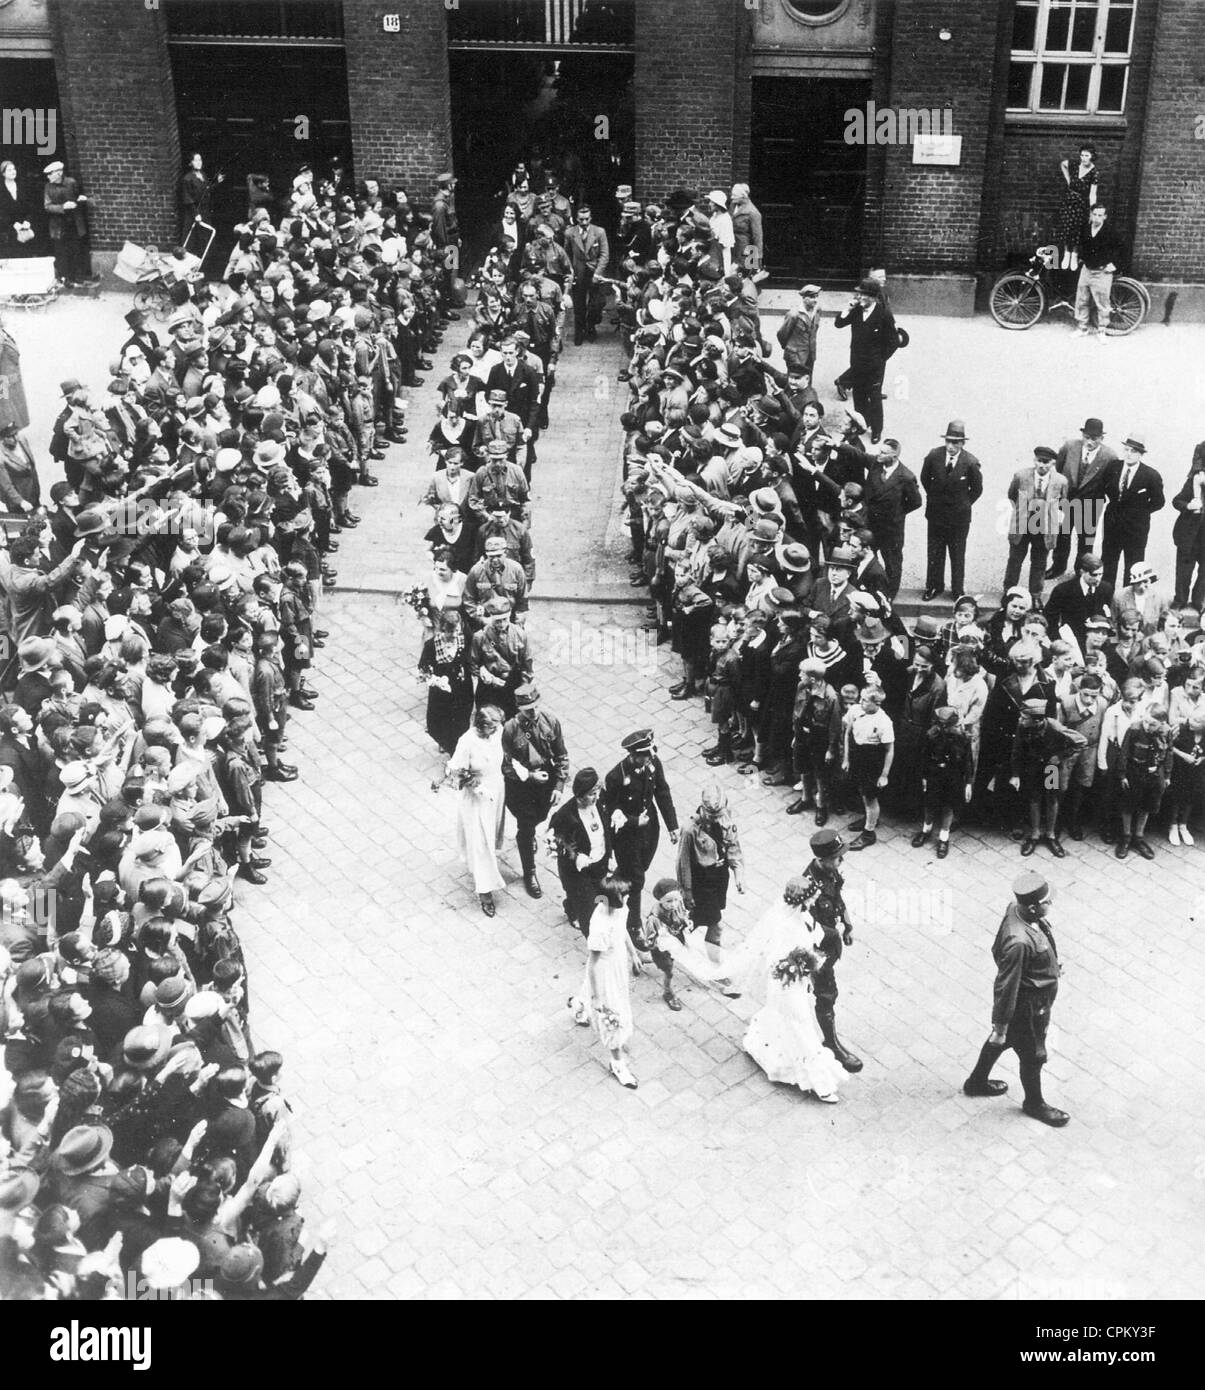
x=1126 y=478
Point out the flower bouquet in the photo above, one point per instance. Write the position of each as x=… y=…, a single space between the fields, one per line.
x=467 y=780
x=434 y=682
x=419 y=600
x=796 y=966
x=609 y=1025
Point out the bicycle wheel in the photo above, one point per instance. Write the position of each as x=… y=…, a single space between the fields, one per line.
x=1142 y=290
x=1128 y=307
x=1017 y=301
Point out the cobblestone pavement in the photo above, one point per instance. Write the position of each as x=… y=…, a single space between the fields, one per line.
x=468 y=1138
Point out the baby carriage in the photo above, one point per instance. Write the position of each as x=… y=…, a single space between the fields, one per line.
x=155 y=271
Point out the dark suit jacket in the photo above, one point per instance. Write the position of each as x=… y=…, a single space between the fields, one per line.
x=871 y=341
x=889 y=500
x=1130 y=516
x=565 y=823
x=949 y=497
x=1190 y=526
x=1069 y=604
x=1084 y=481
x=522 y=391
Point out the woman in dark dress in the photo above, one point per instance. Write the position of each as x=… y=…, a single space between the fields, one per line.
x=1078 y=201
x=777 y=716
x=926 y=694
x=453 y=533
x=445 y=664
x=709 y=854
x=694 y=614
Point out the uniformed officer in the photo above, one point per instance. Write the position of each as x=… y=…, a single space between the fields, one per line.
x=535 y=766
x=1027 y=981
x=827 y=908
x=633 y=792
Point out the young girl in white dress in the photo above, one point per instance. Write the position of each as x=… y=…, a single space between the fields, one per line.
x=605 y=998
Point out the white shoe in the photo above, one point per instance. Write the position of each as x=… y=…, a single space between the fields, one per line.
x=622 y=1074
x=581 y=1014
x=1185 y=837
x=798 y=787
x=830 y=1098
x=1173 y=835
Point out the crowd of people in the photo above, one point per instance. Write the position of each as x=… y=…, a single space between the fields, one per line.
x=163 y=600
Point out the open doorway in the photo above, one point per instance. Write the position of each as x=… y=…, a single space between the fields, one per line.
x=809 y=184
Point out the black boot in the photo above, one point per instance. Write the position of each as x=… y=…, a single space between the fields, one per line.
x=828 y=1027
x=1034 y=1104
x=979 y=1083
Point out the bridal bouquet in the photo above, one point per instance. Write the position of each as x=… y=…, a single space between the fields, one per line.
x=608 y=1025
x=419 y=600
x=467 y=781
x=796 y=966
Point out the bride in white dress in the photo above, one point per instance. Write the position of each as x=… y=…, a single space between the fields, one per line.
x=784 y=1038
x=476 y=767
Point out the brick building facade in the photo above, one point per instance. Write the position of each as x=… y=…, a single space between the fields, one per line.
x=716 y=85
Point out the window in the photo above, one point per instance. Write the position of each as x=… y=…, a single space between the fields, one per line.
x=817 y=11
x=1071 y=56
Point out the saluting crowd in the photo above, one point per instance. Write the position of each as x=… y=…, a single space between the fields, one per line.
x=163 y=601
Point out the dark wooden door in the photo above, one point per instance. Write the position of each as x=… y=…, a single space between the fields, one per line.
x=809 y=184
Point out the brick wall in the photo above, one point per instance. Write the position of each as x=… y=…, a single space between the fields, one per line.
x=119 y=110
x=685 y=93
x=1170 y=240
x=930 y=218
x=397 y=87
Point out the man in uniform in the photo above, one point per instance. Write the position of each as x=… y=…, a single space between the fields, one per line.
x=633 y=792
x=535 y=767
x=1027 y=981
x=827 y=909
x=499 y=657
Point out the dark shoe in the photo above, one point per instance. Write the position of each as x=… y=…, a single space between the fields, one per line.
x=307 y=694
x=1053 y=573
x=709 y=752
x=377 y=454
x=843 y=1055
x=970 y=1087
x=329 y=572
x=797 y=807
x=864 y=840
x=715 y=760
x=258 y=841
x=932 y=593
x=677 y=689
x=245 y=871
x=821 y=816
x=1123 y=848
x=1141 y=847
x=921 y=838
x=369 y=480
x=858 y=824
x=639 y=581
x=321 y=632
x=351 y=521
x=1076 y=832
x=1028 y=845
x=682 y=694
x=334 y=529
x=842 y=393
x=299 y=702
x=424 y=365
x=532 y=884
x=280 y=774
x=1056 y=847
x=257 y=861
x=625 y=376
x=451 y=315
x=487 y=903
x=317 y=641
x=415 y=381
x=1047 y=1114
x=943 y=848
x=1107 y=837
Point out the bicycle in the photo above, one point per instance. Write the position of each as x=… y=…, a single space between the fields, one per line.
x=1019 y=298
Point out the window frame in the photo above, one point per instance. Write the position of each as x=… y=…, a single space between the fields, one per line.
x=1040 y=57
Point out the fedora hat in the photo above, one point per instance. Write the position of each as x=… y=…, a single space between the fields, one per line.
x=729 y=436
x=955 y=430
x=844 y=557
x=146 y=1047
x=34 y=654
x=794 y=558
x=1136 y=440
x=927 y=628
x=83 y=1149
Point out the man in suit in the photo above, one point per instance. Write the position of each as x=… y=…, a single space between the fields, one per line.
x=634 y=791
x=1085 y=595
x=522 y=386
x=1082 y=462
x=891 y=493
x=535 y=766
x=953 y=483
x=798 y=331
x=1134 y=492
x=1188 y=534
x=873 y=340
x=1037 y=495
x=588 y=255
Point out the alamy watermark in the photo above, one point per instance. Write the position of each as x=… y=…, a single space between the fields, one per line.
x=580 y=644
x=30 y=125
x=896 y=125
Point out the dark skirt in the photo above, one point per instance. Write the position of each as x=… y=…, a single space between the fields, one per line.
x=449 y=712
x=709 y=888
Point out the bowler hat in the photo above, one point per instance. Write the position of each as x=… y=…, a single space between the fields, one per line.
x=1093 y=427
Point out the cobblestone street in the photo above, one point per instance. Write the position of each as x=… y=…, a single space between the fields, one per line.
x=468 y=1138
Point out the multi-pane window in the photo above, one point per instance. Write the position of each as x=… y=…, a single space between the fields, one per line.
x=1071 y=56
